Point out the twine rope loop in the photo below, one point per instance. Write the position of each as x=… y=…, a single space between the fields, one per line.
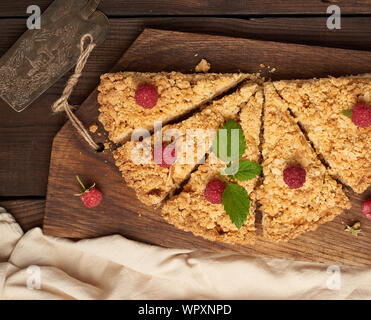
x=62 y=103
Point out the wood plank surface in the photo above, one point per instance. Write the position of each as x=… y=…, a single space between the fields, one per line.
x=203 y=7
x=26 y=138
x=29 y=213
x=120 y=212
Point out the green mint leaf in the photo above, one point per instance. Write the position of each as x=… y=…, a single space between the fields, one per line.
x=347 y=113
x=247 y=170
x=236 y=204
x=226 y=156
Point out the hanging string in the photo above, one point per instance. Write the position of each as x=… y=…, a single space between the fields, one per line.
x=62 y=103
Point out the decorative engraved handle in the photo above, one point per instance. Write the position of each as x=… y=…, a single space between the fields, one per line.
x=40 y=57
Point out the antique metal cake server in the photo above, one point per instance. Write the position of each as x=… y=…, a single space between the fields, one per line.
x=42 y=56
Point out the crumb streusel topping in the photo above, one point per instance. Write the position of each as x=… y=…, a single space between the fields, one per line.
x=178 y=94
x=287 y=213
x=153 y=183
x=190 y=211
x=317 y=104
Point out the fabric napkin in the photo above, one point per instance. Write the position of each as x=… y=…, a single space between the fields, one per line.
x=35 y=266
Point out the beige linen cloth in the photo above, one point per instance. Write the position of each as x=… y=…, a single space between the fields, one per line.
x=35 y=266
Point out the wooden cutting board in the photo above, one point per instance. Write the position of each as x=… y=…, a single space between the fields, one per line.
x=120 y=211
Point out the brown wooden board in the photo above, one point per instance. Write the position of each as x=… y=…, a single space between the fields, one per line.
x=120 y=211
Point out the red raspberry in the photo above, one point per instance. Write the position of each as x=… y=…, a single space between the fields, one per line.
x=146 y=96
x=166 y=154
x=361 y=115
x=91 y=197
x=294 y=176
x=214 y=191
x=366 y=208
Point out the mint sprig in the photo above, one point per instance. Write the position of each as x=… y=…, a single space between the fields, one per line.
x=355 y=229
x=236 y=203
x=347 y=113
x=235 y=198
x=247 y=170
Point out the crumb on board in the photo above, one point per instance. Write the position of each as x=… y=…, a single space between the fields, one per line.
x=99 y=134
x=107 y=145
x=196 y=54
x=203 y=66
x=93 y=128
x=271 y=69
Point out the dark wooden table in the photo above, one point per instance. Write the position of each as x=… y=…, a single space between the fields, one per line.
x=25 y=138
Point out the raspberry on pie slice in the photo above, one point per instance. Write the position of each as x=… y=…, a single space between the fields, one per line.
x=200 y=212
x=291 y=211
x=155 y=180
x=133 y=100
x=344 y=142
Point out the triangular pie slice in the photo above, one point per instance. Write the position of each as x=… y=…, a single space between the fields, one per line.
x=190 y=211
x=153 y=183
x=178 y=94
x=318 y=104
x=287 y=213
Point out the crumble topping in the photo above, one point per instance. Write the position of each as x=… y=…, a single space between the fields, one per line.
x=190 y=211
x=317 y=104
x=178 y=94
x=153 y=183
x=289 y=212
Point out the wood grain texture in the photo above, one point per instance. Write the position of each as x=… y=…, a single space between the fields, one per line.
x=120 y=212
x=203 y=7
x=26 y=138
x=28 y=213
